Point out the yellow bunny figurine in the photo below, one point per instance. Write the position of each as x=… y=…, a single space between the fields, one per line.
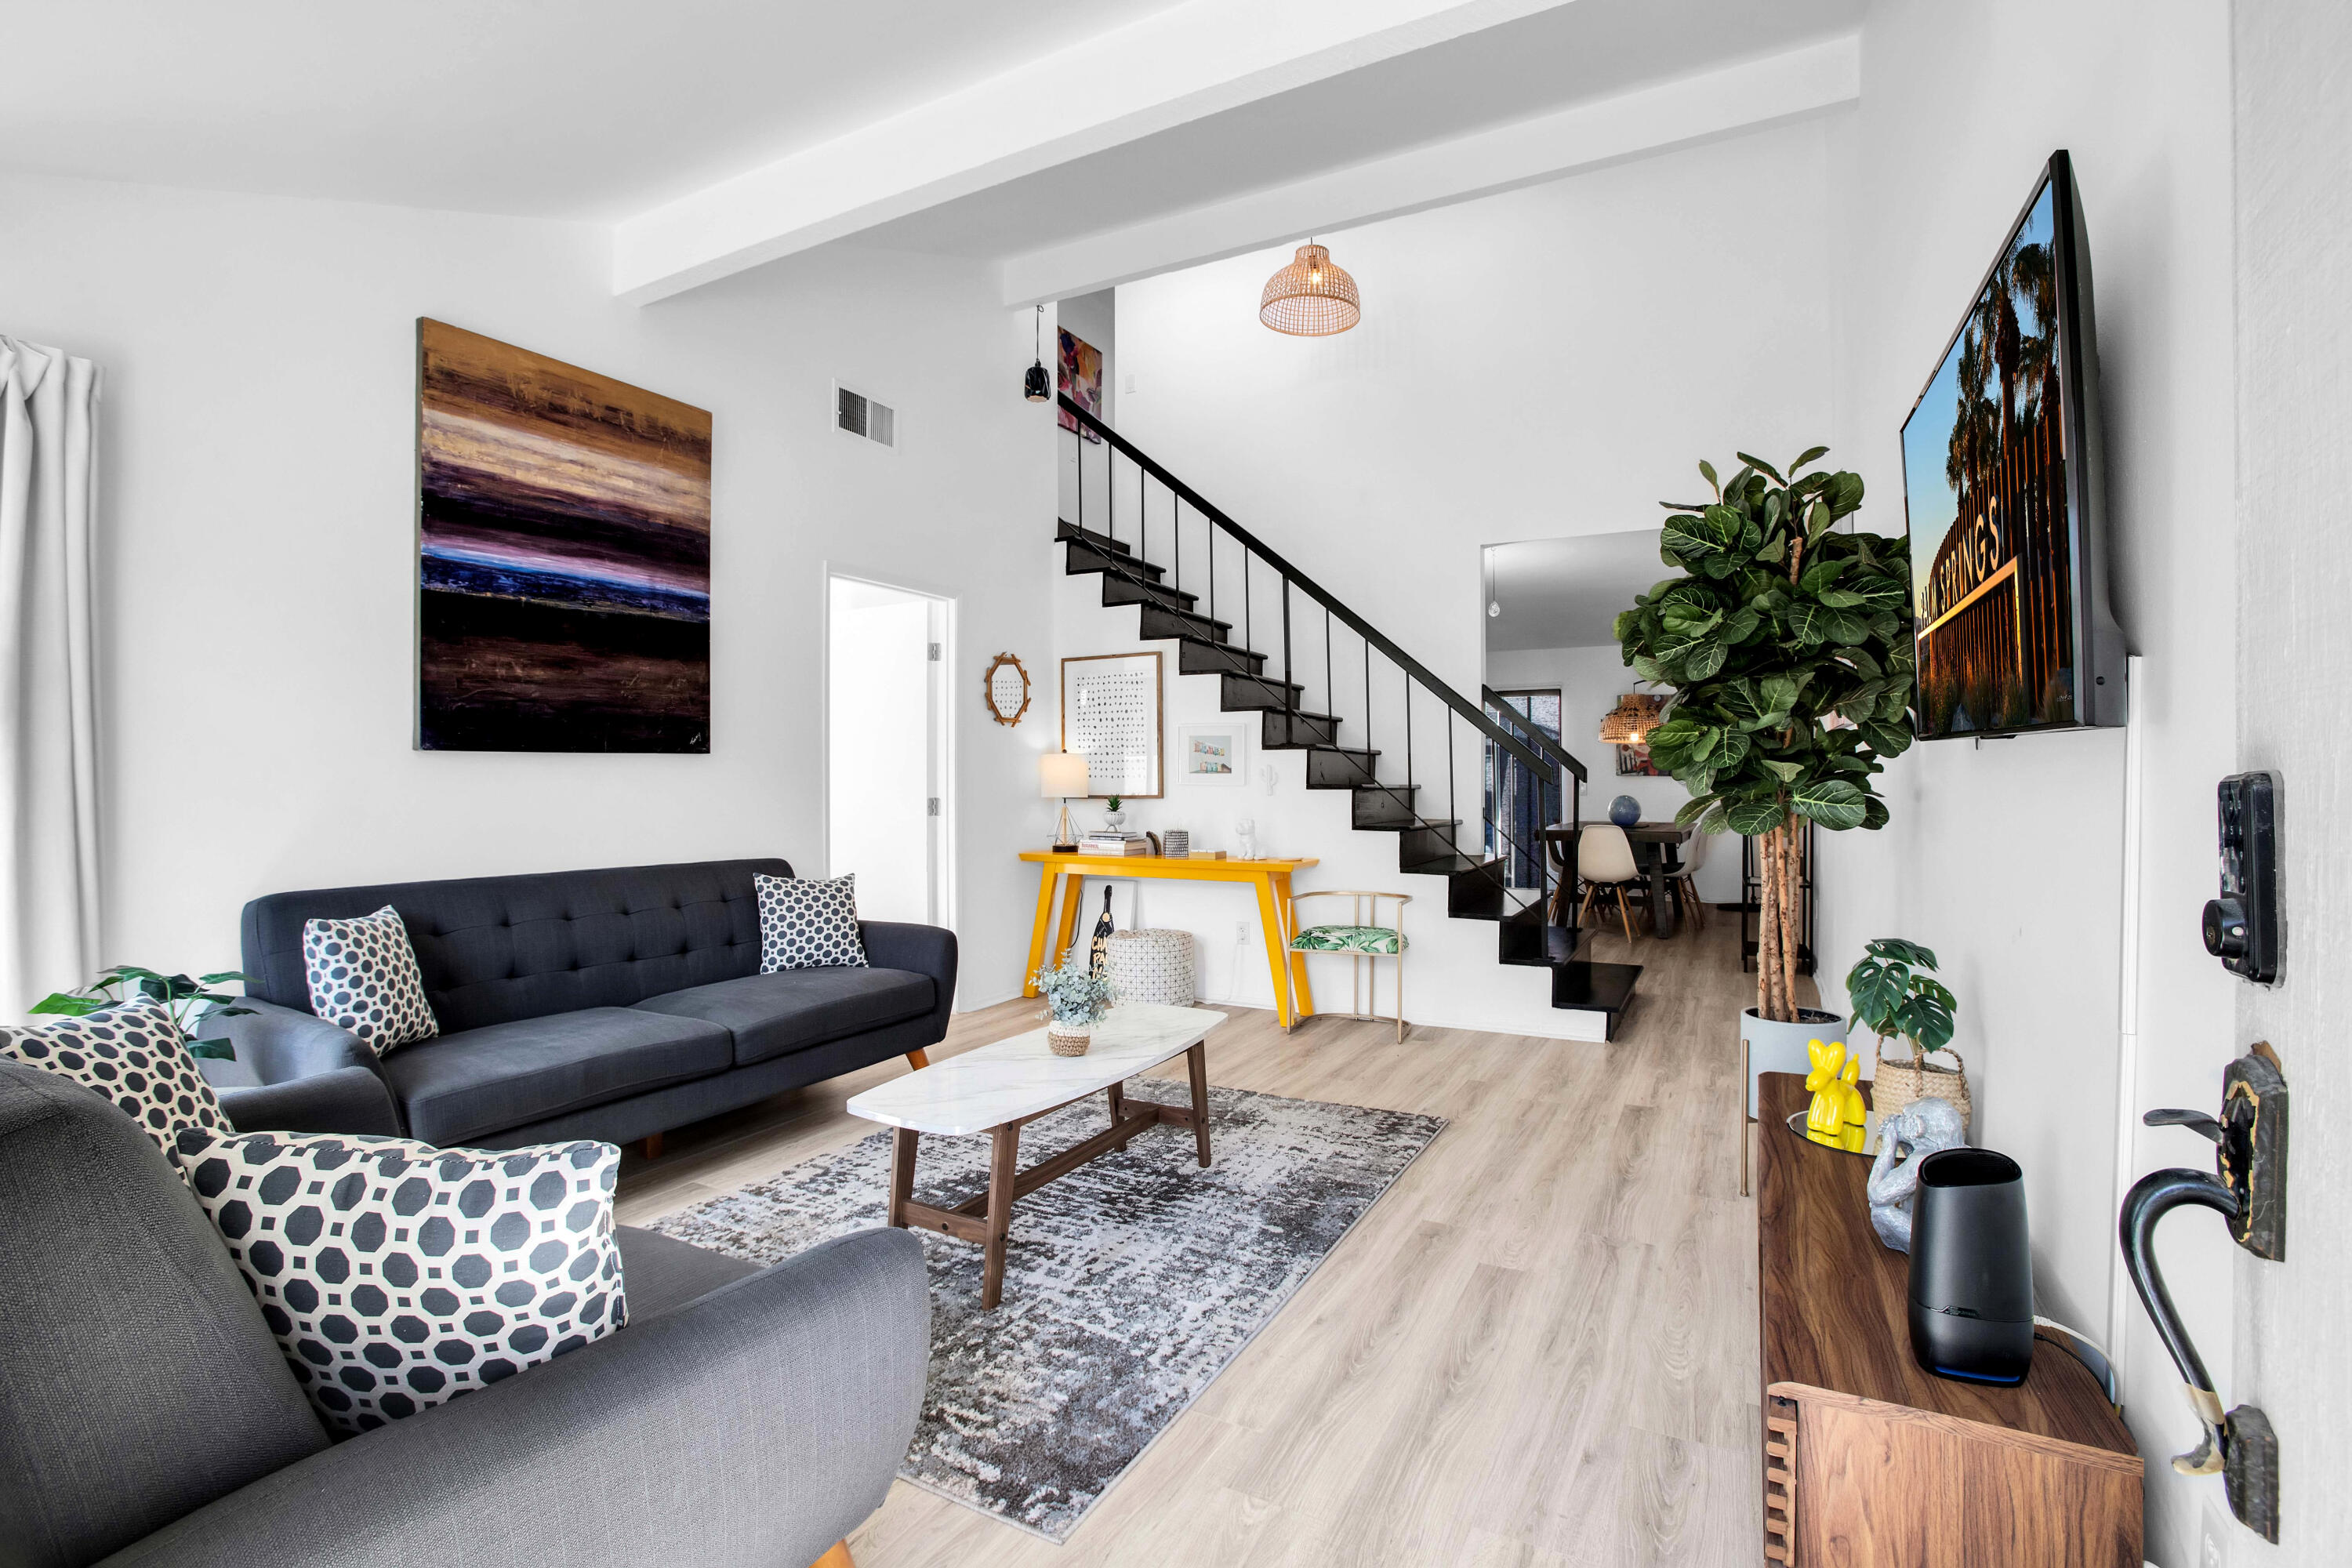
x=1837 y=1117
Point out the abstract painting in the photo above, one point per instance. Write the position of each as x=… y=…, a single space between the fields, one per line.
x=1081 y=379
x=564 y=543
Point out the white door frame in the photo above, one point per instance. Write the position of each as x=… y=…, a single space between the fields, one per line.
x=941 y=722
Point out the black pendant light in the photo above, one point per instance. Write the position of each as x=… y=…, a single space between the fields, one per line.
x=1034 y=387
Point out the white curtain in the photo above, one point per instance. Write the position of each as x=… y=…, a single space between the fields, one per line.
x=49 y=715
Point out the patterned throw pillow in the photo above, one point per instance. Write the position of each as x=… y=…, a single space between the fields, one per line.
x=364 y=977
x=808 y=925
x=397 y=1275
x=133 y=1055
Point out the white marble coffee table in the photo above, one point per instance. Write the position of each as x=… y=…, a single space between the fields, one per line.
x=998 y=1088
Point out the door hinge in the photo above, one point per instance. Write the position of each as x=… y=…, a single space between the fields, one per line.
x=934 y=807
x=935 y=653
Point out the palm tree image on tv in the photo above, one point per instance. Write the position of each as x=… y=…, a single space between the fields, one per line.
x=1984 y=469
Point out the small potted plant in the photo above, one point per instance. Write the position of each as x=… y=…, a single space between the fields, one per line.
x=189 y=1002
x=1077 y=998
x=1113 y=817
x=1892 y=996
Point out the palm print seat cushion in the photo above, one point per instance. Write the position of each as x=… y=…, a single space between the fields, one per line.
x=1380 y=940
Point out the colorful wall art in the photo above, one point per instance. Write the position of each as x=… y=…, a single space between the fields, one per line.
x=1081 y=378
x=564 y=543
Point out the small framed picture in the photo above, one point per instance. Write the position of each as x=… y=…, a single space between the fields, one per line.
x=1212 y=755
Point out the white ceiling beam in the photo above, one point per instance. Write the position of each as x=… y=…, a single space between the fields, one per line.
x=1192 y=60
x=1736 y=99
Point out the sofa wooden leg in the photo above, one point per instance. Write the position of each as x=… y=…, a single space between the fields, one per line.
x=917 y=1060
x=835 y=1556
x=650 y=1145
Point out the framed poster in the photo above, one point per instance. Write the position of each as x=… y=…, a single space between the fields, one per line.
x=1214 y=754
x=1111 y=716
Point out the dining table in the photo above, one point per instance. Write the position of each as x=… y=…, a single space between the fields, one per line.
x=1657 y=850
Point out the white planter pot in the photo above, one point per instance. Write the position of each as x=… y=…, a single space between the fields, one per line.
x=1773 y=1047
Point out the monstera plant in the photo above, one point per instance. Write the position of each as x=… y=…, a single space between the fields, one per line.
x=1785 y=647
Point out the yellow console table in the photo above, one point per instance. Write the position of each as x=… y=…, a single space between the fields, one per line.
x=1293 y=998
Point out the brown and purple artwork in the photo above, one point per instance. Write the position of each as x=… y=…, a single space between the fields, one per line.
x=563 y=542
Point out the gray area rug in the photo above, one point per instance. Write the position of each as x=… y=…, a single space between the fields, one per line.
x=1129 y=1283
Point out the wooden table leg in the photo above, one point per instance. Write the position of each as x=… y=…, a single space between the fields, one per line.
x=1047 y=877
x=1302 y=992
x=1196 y=1067
x=1004 y=1164
x=902 y=1174
x=1074 y=888
x=1118 y=1093
x=1269 y=919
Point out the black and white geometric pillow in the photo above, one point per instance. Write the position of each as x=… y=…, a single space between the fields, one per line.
x=808 y=925
x=364 y=977
x=397 y=1275
x=132 y=1055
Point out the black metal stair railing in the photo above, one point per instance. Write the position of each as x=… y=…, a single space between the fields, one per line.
x=1208 y=598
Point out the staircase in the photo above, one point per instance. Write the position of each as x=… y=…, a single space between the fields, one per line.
x=1319 y=678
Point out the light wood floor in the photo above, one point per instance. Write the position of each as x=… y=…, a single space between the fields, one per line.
x=1539 y=1347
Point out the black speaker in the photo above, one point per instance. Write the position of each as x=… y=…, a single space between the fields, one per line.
x=1971 y=1275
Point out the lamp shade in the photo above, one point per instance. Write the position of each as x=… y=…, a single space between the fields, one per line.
x=1310 y=297
x=1629 y=722
x=1061 y=776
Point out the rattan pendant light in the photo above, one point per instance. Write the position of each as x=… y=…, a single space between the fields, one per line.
x=1310 y=297
x=1629 y=722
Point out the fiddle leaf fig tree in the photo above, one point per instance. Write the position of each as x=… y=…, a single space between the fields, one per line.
x=1786 y=647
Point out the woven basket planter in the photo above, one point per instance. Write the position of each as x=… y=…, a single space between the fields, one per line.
x=1065 y=1041
x=1898 y=1083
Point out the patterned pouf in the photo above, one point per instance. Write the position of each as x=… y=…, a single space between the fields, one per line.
x=1152 y=967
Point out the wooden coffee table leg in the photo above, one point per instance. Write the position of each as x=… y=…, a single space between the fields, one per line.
x=1002 y=1166
x=1118 y=1093
x=902 y=1174
x=1196 y=1066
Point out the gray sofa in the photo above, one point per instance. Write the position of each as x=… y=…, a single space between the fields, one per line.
x=613 y=1005
x=147 y=1415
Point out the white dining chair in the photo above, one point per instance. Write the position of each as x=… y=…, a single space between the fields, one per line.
x=1604 y=859
x=1686 y=879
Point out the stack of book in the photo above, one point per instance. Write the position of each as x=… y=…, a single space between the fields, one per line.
x=1109 y=843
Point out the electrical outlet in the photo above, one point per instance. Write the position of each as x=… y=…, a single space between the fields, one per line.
x=1241 y=931
x=2215 y=1553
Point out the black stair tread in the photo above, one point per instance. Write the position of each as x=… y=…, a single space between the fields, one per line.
x=1193 y=617
x=1585 y=987
x=1140 y=581
x=1065 y=531
x=1345 y=751
x=1559 y=943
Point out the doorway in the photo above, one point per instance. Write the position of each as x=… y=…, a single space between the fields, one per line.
x=887 y=762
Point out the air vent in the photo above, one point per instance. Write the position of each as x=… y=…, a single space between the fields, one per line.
x=855 y=414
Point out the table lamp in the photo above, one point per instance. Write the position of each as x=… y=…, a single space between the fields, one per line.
x=1062 y=775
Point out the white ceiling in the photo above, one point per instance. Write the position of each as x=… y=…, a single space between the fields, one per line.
x=1567 y=593
x=1571 y=53
x=579 y=109
x=599 y=109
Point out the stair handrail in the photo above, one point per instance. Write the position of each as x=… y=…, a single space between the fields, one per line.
x=1536 y=738
x=1362 y=628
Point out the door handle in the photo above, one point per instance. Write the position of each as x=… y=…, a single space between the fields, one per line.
x=2250 y=1194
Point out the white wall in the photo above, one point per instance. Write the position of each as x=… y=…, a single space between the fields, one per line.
x=1548 y=361
x=1591 y=680
x=2295 y=664
x=257 y=555
x=2007 y=860
x=878 y=748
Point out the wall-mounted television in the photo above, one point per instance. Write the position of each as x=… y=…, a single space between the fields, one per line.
x=2004 y=500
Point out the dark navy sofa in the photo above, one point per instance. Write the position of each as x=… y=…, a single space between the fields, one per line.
x=613 y=1005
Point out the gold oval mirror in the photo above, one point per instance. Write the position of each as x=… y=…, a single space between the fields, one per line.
x=1005 y=690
